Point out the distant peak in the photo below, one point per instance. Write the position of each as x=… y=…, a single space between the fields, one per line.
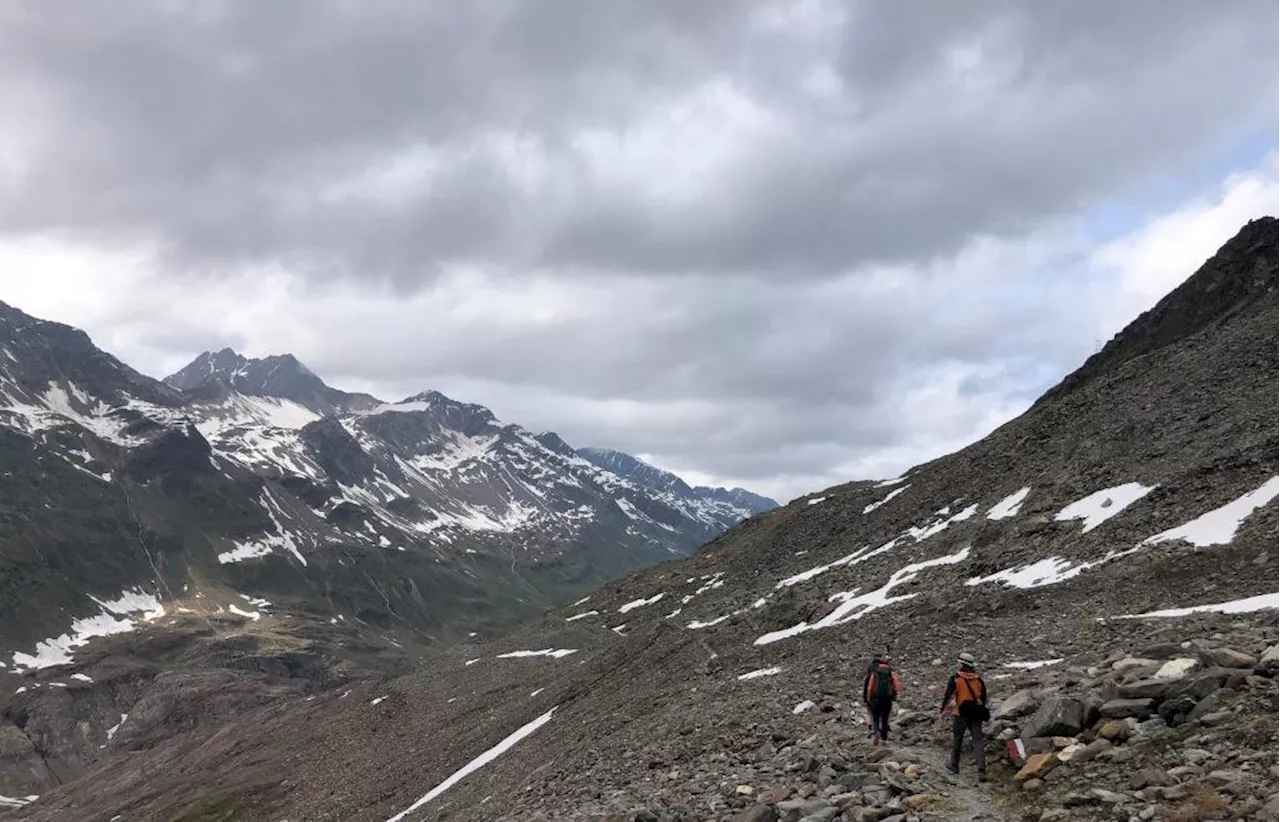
x=277 y=375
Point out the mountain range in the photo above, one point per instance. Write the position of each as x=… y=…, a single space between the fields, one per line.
x=1109 y=557
x=426 y=516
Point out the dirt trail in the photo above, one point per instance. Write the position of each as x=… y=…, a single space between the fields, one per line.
x=928 y=745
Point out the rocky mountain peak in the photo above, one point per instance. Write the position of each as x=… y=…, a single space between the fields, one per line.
x=278 y=375
x=1240 y=277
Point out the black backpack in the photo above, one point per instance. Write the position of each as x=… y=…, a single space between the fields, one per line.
x=882 y=684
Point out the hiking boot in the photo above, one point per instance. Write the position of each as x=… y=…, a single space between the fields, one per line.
x=982 y=776
x=950 y=766
x=875 y=739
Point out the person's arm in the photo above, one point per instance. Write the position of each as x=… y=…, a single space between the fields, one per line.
x=866 y=689
x=946 y=698
x=983 y=688
x=897 y=684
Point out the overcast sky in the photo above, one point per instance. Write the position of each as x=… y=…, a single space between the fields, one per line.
x=780 y=245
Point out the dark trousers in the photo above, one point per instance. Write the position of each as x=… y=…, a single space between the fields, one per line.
x=880 y=711
x=959 y=725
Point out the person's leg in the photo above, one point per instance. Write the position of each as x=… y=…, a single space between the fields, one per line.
x=884 y=721
x=957 y=743
x=979 y=747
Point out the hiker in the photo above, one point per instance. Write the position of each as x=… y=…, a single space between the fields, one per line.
x=879 y=690
x=969 y=693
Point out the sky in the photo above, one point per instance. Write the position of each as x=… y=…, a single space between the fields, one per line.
x=773 y=245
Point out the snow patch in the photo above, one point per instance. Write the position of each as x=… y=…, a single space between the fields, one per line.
x=873 y=506
x=940 y=525
x=803 y=706
x=761 y=672
x=1101 y=506
x=113 y=619
x=557 y=653
x=640 y=603
x=1261 y=602
x=1049 y=571
x=1031 y=666
x=583 y=615
x=854 y=606
x=477 y=763
x=11 y=802
x=111 y=732
x=1009 y=506
x=1219 y=526
x=377 y=701
x=254 y=615
x=817 y=500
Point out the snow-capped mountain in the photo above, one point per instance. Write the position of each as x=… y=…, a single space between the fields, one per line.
x=427 y=514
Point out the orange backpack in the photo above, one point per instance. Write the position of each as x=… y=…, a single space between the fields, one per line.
x=967 y=689
x=969 y=693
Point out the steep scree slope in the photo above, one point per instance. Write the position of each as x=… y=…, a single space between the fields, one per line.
x=1125 y=524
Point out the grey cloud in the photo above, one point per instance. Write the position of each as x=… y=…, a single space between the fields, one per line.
x=794 y=260
x=220 y=130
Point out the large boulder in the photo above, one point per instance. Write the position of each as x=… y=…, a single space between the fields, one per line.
x=1229 y=658
x=1018 y=705
x=1058 y=716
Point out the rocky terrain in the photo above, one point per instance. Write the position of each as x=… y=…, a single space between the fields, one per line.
x=1110 y=557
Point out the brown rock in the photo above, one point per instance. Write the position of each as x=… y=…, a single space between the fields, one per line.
x=920 y=800
x=1038 y=765
x=1116 y=730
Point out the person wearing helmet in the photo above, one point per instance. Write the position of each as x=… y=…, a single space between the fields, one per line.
x=969 y=694
x=879 y=690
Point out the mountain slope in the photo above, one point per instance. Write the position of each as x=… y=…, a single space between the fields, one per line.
x=703 y=686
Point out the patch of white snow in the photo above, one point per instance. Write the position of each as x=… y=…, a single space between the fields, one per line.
x=477 y=763
x=1101 y=506
x=640 y=603
x=1219 y=526
x=873 y=506
x=1009 y=506
x=557 y=653
x=1261 y=602
x=854 y=606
